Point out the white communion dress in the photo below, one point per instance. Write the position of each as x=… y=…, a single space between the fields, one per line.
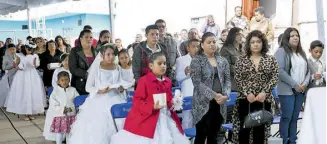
x=26 y=95
x=166 y=133
x=94 y=123
x=128 y=76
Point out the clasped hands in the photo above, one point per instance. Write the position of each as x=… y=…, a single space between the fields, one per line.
x=67 y=110
x=107 y=89
x=221 y=99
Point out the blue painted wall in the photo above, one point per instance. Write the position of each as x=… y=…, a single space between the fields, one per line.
x=66 y=26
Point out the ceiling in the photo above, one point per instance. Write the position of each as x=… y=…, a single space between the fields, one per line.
x=11 y=6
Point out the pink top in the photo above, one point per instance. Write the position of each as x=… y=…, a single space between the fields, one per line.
x=90 y=60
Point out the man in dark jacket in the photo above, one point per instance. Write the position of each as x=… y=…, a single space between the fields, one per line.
x=171 y=46
x=142 y=51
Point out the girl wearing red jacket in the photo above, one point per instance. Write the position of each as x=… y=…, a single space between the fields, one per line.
x=151 y=121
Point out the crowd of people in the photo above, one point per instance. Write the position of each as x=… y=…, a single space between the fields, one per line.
x=207 y=65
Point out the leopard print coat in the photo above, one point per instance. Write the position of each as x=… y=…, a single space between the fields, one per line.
x=249 y=80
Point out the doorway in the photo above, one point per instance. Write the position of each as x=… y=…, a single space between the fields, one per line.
x=250 y=5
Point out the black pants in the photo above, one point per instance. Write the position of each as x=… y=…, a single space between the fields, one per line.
x=258 y=132
x=208 y=127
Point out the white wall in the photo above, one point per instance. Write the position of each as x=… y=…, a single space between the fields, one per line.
x=308 y=32
x=132 y=15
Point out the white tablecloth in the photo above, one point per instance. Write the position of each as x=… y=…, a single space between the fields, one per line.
x=313 y=129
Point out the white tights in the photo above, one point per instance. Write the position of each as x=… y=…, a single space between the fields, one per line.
x=60 y=137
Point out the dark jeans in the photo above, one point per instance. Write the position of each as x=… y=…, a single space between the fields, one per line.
x=208 y=127
x=259 y=131
x=290 y=106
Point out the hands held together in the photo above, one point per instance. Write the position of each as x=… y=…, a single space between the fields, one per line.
x=260 y=97
x=300 y=88
x=103 y=91
x=67 y=110
x=221 y=99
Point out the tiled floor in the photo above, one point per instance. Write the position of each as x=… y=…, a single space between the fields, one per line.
x=30 y=130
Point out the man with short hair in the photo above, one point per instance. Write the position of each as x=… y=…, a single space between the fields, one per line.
x=192 y=34
x=94 y=41
x=138 y=39
x=259 y=22
x=171 y=48
x=143 y=50
x=239 y=20
x=184 y=35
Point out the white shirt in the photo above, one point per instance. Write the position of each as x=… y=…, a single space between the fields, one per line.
x=158 y=49
x=187 y=84
x=299 y=68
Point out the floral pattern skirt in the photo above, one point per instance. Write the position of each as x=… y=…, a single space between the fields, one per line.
x=62 y=124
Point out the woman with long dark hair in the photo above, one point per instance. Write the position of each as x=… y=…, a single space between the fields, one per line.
x=80 y=59
x=231 y=50
x=104 y=37
x=293 y=81
x=211 y=80
x=62 y=45
x=256 y=74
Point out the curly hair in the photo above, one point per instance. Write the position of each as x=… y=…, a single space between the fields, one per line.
x=262 y=37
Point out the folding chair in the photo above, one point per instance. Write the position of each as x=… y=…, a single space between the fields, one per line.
x=129 y=95
x=79 y=100
x=229 y=127
x=49 y=91
x=120 y=111
x=187 y=105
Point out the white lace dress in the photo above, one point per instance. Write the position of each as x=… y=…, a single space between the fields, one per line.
x=94 y=123
x=166 y=133
x=26 y=94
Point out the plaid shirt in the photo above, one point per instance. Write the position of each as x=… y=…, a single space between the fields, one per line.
x=240 y=22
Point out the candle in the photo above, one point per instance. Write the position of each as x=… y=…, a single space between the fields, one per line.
x=319 y=71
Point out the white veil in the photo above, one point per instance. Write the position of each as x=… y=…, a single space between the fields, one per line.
x=93 y=84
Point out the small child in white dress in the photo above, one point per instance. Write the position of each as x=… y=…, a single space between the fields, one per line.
x=124 y=60
x=27 y=94
x=64 y=58
x=61 y=112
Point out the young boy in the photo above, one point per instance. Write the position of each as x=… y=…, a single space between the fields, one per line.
x=316 y=66
x=183 y=77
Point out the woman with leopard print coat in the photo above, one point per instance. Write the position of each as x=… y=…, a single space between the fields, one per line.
x=256 y=74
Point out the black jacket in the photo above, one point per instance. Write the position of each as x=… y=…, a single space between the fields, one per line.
x=2 y=53
x=78 y=66
x=45 y=59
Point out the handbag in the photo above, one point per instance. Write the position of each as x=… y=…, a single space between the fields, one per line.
x=258 y=118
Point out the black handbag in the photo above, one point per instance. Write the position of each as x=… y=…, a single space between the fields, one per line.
x=258 y=118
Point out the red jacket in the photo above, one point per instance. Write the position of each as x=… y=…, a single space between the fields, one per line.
x=142 y=119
